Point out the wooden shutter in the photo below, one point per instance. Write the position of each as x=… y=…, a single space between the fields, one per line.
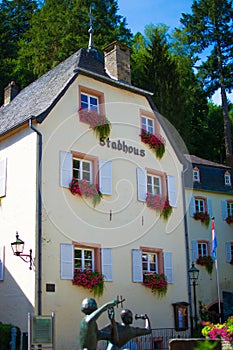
x=192 y=206
x=194 y=251
x=67 y=261
x=137 y=265
x=142 y=184
x=2 y=248
x=105 y=176
x=3 y=164
x=66 y=168
x=106 y=257
x=228 y=252
x=172 y=190
x=209 y=207
x=168 y=267
x=224 y=210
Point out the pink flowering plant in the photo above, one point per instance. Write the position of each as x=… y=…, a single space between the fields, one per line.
x=86 y=189
x=204 y=217
x=222 y=331
x=92 y=280
x=229 y=219
x=157 y=202
x=155 y=141
x=156 y=282
x=98 y=122
x=207 y=262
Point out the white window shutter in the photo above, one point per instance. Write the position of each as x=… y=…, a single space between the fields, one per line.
x=106 y=257
x=224 y=210
x=194 y=251
x=2 y=248
x=3 y=164
x=142 y=184
x=66 y=168
x=228 y=252
x=168 y=267
x=172 y=190
x=105 y=176
x=137 y=265
x=192 y=206
x=67 y=261
x=209 y=207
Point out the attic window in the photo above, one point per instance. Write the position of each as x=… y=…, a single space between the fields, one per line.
x=227 y=177
x=196 y=174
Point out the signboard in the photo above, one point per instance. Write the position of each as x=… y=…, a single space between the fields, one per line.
x=42 y=330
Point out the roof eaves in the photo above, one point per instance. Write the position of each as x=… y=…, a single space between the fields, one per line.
x=116 y=83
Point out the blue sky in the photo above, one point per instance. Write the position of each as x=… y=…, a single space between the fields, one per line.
x=140 y=13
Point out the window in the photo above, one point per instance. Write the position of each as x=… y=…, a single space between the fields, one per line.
x=83 y=166
x=82 y=169
x=199 y=205
x=85 y=256
x=196 y=174
x=3 y=165
x=154 y=184
x=229 y=252
x=202 y=249
x=149 y=262
x=84 y=259
x=227 y=177
x=147 y=124
x=181 y=316
x=89 y=102
x=229 y=208
x=154 y=260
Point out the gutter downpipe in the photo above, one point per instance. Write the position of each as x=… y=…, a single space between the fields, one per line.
x=39 y=219
x=187 y=251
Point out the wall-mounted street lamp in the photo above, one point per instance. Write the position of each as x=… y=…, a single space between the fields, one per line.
x=18 y=247
x=193 y=277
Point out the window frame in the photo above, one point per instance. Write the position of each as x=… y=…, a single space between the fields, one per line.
x=92 y=93
x=96 y=248
x=227 y=178
x=200 y=245
x=159 y=254
x=197 y=202
x=149 y=116
x=229 y=208
x=196 y=174
x=162 y=176
x=89 y=159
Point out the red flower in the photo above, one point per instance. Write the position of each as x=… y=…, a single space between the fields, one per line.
x=155 y=142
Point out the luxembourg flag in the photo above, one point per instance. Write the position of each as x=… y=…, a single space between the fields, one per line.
x=214 y=241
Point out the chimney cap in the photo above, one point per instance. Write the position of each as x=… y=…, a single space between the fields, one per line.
x=110 y=46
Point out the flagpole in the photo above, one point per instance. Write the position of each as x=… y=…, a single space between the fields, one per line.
x=214 y=252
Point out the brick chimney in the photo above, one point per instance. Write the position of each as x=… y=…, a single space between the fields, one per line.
x=117 y=61
x=10 y=92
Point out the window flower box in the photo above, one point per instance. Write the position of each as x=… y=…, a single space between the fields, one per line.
x=157 y=202
x=155 y=141
x=207 y=262
x=203 y=217
x=156 y=282
x=98 y=122
x=229 y=219
x=84 y=188
x=92 y=280
x=223 y=331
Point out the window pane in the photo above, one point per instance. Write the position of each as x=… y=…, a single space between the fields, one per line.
x=77 y=253
x=87 y=254
x=86 y=166
x=84 y=101
x=143 y=123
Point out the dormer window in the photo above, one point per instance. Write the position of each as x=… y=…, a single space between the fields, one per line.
x=227 y=177
x=196 y=174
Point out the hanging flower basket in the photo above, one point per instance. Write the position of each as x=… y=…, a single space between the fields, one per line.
x=203 y=217
x=156 y=282
x=223 y=331
x=155 y=141
x=84 y=188
x=206 y=261
x=157 y=202
x=98 y=122
x=92 y=280
x=229 y=219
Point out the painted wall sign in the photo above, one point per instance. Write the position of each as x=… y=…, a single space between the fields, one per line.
x=122 y=146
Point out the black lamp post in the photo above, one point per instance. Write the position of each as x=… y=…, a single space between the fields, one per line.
x=18 y=247
x=193 y=277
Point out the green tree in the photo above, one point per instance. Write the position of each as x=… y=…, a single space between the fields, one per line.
x=60 y=28
x=210 y=27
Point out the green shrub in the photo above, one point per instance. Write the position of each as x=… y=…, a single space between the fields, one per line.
x=5 y=336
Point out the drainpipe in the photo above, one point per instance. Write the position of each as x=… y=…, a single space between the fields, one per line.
x=187 y=251
x=39 y=219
